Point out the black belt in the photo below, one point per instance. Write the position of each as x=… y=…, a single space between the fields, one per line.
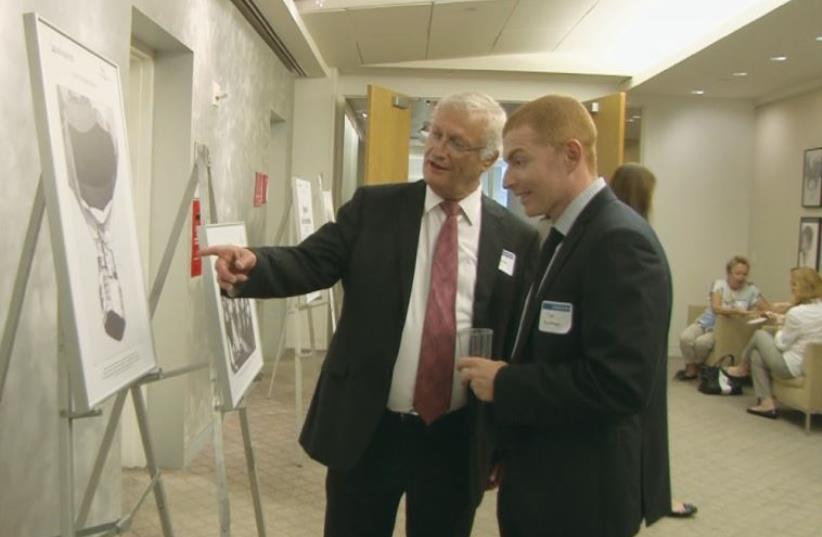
x=414 y=418
x=404 y=417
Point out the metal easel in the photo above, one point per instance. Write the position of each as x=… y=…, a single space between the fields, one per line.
x=74 y=527
x=295 y=306
x=220 y=409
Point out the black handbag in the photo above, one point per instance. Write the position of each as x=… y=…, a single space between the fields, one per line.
x=714 y=381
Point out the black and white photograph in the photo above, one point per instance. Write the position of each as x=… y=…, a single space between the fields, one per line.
x=232 y=322
x=87 y=185
x=91 y=166
x=808 y=249
x=812 y=178
x=239 y=331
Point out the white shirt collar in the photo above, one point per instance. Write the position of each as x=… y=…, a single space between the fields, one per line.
x=571 y=213
x=471 y=205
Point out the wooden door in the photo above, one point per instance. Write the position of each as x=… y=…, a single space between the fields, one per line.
x=609 y=116
x=388 y=131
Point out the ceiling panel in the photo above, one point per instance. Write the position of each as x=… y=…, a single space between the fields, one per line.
x=391 y=34
x=390 y=22
x=540 y=25
x=467 y=28
x=391 y=49
x=334 y=37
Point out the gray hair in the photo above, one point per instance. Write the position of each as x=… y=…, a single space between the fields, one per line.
x=475 y=102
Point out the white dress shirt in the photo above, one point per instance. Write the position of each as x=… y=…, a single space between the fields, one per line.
x=401 y=395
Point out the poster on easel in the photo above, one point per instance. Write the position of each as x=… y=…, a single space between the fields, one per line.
x=81 y=132
x=304 y=220
x=233 y=321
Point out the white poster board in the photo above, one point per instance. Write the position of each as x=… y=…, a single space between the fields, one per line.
x=87 y=183
x=232 y=321
x=304 y=219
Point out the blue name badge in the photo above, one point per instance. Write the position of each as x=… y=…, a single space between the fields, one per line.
x=555 y=317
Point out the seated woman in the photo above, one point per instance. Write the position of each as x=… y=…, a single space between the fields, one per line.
x=732 y=296
x=782 y=355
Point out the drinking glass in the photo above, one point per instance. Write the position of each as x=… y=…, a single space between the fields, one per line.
x=475 y=342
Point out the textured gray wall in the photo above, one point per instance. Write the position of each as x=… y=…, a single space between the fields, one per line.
x=241 y=140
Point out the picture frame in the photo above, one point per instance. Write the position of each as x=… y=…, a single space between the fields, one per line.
x=86 y=177
x=807 y=252
x=812 y=178
x=231 y=321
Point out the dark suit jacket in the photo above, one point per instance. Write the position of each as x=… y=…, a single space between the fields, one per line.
x=584 y=411
x=372 y=248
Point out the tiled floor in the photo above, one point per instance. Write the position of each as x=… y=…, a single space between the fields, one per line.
x=749 y=476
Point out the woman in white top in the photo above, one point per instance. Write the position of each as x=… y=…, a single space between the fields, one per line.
x=732 y=296
x=781 y=355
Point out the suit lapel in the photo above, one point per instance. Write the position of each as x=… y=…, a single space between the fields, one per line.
x=410 y=216
x=576 y=234
x=490 y=245
x=569 y=244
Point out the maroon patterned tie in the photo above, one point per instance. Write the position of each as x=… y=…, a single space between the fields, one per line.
x=435 y=374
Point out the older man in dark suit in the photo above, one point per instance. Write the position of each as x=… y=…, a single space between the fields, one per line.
x=582 y=402
x=418 y=262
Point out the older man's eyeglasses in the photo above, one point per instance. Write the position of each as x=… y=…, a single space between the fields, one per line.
x=454 y=144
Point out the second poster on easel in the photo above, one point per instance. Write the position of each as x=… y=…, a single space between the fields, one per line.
x=232 y=321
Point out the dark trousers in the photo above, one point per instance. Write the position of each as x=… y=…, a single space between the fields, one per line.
x=429 y=464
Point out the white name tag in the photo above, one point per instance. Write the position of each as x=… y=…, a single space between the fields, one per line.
x=507 y=261
x=555 y=317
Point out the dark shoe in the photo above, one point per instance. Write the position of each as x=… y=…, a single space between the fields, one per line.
x=688 y=510
x=772 y=414
x=682 y=374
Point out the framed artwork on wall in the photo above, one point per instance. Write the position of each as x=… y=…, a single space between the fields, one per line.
x=812 y=178
x=808 y=250
x=80 y=120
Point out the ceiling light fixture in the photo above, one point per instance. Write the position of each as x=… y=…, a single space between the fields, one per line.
x=819 y=38
x=740 y=73
x=697 y=92
x=636 y=117
x=779 y=58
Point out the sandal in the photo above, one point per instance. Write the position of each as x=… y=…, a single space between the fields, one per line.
x=682 y=374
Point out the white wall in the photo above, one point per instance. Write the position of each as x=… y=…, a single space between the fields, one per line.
x=701 y=153
x=784 y=129
x=315 y=113
x=224 y=48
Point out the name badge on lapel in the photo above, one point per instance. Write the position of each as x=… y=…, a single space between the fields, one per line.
x=555 y=317
x=507 y=261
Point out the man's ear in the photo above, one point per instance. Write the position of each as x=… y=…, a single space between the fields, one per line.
x=573 y=154
x=488 y=162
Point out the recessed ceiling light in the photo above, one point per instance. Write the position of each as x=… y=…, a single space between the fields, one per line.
x=697 y=92
x=819 y=38
x=740 y=73
x=779 y=58
x=636 y=117
x=629 y=120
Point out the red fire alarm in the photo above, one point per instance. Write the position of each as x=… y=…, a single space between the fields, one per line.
x=196 y=260
x=260 y=189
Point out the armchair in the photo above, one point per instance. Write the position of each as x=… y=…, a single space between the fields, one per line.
x=731 y=334
x=803 y=393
